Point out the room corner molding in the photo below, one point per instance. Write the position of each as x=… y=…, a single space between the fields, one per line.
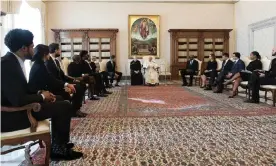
x=263 y=24
x=271 y=22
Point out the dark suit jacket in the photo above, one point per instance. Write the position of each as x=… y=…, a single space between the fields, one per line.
x=226 y=68
x=56 y=71
x=272 y=70
x=111 y=68
x=193 y=66
x=237 y=67
x=41 y=79
x=75 y=70
x=93 y=65
x=86 y=68
x=15 y=92
x=254 y=65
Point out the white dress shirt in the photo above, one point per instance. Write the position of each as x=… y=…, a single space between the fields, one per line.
x=22 y=65
x=54 y=59
x=88 y=64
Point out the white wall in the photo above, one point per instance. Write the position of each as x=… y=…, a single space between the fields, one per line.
x=249 y=12
x=115 y=15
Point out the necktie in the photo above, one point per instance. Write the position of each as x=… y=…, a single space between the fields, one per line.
x=57 y=64
x=89 y=65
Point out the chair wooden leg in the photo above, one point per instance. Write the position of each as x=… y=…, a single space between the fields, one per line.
x=266 y=96
x=41 y=144
x=274 y=97
x=48 y=150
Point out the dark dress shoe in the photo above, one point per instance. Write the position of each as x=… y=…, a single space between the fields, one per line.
x=208 y=88
x=94 y=98
x=184 y=84
x=70 y=145
x=102 y=95
x=107 y=92
x=190 y=85
x=80 y=114
x=69 y=155
x=251 y=101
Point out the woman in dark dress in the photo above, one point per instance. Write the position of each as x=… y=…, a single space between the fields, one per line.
x=135 y=71
x=40 y=79
x=211 y=71
x=255 y=64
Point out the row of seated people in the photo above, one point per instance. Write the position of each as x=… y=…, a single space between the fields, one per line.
x=59 y=96
x=83 y=63
x=234 y=71
x=85 y=70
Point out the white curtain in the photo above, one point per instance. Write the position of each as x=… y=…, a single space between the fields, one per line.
x=29 y=18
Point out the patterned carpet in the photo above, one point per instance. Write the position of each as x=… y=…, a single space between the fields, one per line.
x=171 y=125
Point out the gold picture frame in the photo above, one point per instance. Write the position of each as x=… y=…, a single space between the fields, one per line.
x=144 y=36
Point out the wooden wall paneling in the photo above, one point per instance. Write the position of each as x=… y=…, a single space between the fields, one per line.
x=200 y=35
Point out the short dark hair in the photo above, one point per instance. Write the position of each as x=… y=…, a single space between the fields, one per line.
x=256 y=53
x=226 y=54
x=83 y=53
x=112 y=56
x=18 y=38
x=237 y=54
x=53 y=47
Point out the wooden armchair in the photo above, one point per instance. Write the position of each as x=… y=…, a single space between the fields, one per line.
x=37 y=132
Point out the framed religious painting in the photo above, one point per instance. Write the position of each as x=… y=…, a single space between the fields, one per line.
x=143 y=36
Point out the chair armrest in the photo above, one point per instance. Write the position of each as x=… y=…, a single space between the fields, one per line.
x=29 y=108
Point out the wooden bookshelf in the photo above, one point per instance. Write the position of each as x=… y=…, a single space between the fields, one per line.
x=197 y=42
x=98 y=42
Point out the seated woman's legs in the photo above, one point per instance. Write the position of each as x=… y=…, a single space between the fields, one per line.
x=203 y=80
x=235 y=87
x=237 y=79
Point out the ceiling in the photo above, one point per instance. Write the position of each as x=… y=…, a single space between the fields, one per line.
x=148 y=1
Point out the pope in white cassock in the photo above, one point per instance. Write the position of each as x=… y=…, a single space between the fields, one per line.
x=151 y=72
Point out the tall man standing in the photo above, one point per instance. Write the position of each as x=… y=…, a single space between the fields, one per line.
x=15 y=93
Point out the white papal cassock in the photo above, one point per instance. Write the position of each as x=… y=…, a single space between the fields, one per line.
x=151 y=73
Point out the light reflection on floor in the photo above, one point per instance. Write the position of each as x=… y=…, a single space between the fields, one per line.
x=148 y=101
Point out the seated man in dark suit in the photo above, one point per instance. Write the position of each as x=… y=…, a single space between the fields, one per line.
x=261 y=77
x=96 y=69
x=111 y=69
x=238 y=66
x=15 y=93
x=75 y=69
x=226 y=67
x=55 y=70
x=135 y=71
x=87 y=69
x=191 y=69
